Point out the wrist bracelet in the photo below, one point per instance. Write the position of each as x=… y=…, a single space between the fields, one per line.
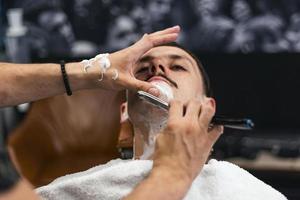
x=65 y=78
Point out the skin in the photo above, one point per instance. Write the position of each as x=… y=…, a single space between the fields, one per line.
x=183 y=146
x=185 y=74
x=182 y=70
x=22 y=83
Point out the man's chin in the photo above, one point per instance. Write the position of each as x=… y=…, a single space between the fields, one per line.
x=147 y=112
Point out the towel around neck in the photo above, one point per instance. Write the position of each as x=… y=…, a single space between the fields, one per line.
x=218 y=180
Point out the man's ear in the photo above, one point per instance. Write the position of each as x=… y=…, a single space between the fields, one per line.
x=212 y=102
x=123 y=112
x=126 y=135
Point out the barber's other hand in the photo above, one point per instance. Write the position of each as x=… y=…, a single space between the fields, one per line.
x=183 y=147
x=124 y=60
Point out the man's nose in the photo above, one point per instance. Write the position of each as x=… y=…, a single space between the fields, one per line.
x=158 y=69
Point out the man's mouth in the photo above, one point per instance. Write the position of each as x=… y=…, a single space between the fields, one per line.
x=164 y=79
x=164 y=87
x=157 y=79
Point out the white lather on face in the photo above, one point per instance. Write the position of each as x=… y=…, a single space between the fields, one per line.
x=165 y=90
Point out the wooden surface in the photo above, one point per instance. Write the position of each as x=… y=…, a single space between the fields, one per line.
x=266 y=161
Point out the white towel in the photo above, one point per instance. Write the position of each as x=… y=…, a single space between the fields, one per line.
x=218 y=180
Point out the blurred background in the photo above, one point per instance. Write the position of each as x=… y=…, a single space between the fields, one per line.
x=250 y=49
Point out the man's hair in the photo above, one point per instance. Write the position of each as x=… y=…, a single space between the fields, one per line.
x=206 y=82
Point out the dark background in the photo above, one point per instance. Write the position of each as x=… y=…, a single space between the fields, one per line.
x=229 y=26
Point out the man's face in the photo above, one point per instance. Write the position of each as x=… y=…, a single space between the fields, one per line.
x=172 y=66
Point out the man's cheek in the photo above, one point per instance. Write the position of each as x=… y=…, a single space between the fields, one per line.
x=181 y=96
x=185 y=93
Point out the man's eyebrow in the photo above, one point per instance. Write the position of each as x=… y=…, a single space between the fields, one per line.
x=172 y=56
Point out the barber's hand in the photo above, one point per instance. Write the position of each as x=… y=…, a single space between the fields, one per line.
x=124 y=60
x=183 y=147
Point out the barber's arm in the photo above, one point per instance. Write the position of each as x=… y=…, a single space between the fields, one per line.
x=181 y=151
x=22 y=83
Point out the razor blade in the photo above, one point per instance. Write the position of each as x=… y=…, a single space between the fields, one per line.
x=233 y=123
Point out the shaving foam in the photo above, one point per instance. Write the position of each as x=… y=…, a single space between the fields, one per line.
x=158 y=119
x=165 y=90
x=154 y=120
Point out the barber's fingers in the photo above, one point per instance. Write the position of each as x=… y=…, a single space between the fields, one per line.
x=147 y=42
x=150 y=40
x=207 y=113
x=162 y=39
x=193 y=109
x=136 y=85
x=215 y=133
x=175 y=110
x=174 y=29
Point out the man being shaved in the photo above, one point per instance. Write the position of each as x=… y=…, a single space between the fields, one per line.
x=170 y=147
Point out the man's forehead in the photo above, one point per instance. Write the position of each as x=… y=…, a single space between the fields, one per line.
x=167 y=52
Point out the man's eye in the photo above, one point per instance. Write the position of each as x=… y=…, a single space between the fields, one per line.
x=178 y=68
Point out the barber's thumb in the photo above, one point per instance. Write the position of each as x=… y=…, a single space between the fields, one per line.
x=145 y=86
x=215 y=133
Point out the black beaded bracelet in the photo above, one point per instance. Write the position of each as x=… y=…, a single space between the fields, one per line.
x=65 y=78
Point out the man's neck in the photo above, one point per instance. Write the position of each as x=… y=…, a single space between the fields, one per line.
x=145 y=133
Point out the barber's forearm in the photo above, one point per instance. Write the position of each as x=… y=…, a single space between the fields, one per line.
x=22 y=83
x=161 y=184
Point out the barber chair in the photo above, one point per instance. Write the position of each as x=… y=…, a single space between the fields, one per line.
x=62 y=135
